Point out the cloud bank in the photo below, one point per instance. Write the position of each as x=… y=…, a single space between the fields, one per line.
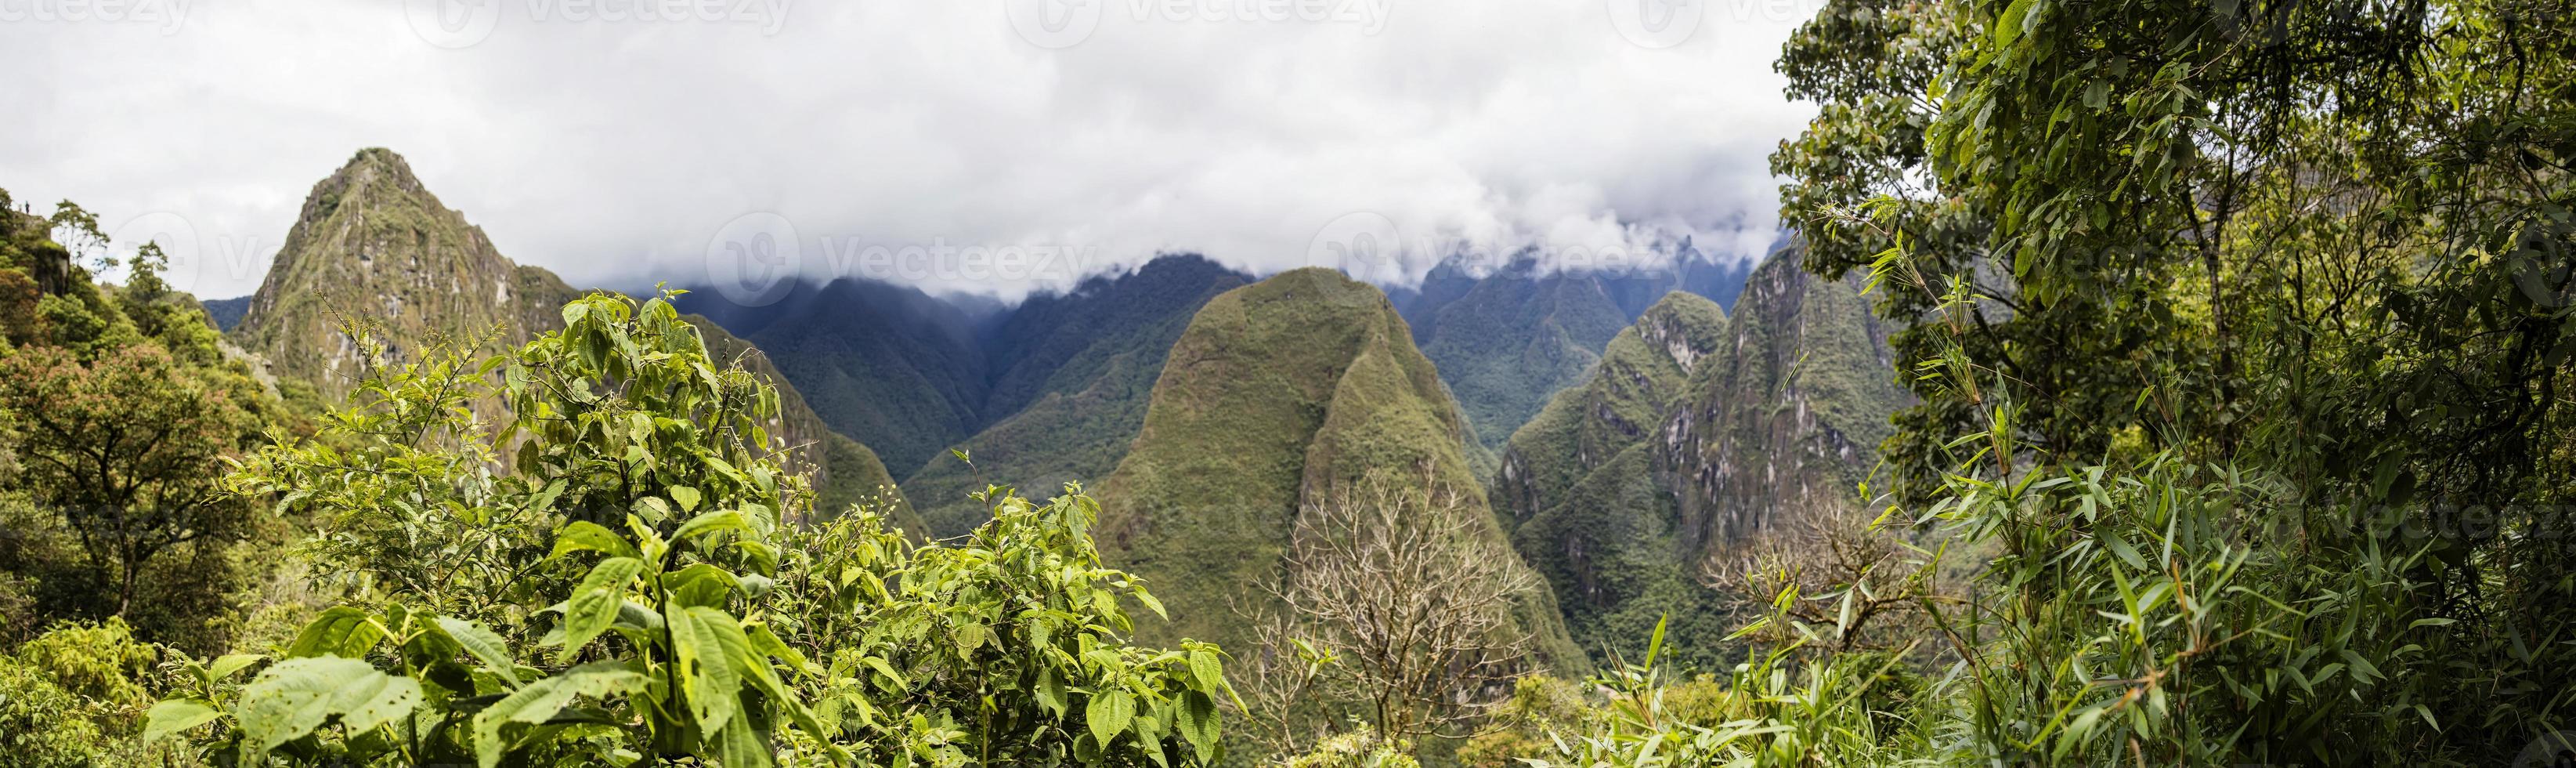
x=623 y=142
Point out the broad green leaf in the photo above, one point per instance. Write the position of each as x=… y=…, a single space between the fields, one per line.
x=295 y=696
x=1051 y=693
x=540 y=701
x=1109 y=713
x=1197 y=722
x=971 y=636
x=1205 y=666
x=225 y=667
x=723 y=520
x=700 y=585
x=340 y=631
x=738 y=746
x=177 y=715
x=594 y=605
x=484 y=646
x=686 y=497
x=700 y=638
x=586 y=535
x=767 y=642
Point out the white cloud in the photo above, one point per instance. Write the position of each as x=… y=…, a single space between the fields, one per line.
x=613 y=150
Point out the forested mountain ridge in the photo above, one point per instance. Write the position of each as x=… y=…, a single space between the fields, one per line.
x=1508 y=339
x=1697 y=429
x=1578 y=484
x=1620 y=403
x=1279 y=393
x=1073 y=373
x=373 y=243
x=888 y=365
x=1516 y=337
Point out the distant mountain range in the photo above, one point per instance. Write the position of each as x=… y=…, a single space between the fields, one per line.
x=1618 y=430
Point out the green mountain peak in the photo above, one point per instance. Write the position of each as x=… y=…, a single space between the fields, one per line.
x=373 y=242
x=1277 y=394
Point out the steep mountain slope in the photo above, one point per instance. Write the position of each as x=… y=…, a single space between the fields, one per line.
x=1579 y=487
x=1720 y=281
x=1790 y=413
x=1643 y=374
x=1508 y=340
x=373 y=242
x=887 y=365
x=1514 y=339
x=1276 y=394
x=227 y=313
x=1073 y=373
x=1697 y=428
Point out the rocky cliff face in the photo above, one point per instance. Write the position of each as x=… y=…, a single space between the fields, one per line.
x=1579 y=488
x=1790 y=411
x=372 y=242
x=1698 y=427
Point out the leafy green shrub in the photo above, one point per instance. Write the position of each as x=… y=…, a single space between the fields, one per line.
x=1357 y=749
x=99 y=662
x=632 y=588
x=75 y=696
x=41 y=724
x=1002 y=648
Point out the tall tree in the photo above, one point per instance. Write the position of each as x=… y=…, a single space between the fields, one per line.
x=127 y=451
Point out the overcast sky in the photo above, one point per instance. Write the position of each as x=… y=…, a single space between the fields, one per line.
x=978 y=145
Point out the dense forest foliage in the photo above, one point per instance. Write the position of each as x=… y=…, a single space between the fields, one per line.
x=2224 y=343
